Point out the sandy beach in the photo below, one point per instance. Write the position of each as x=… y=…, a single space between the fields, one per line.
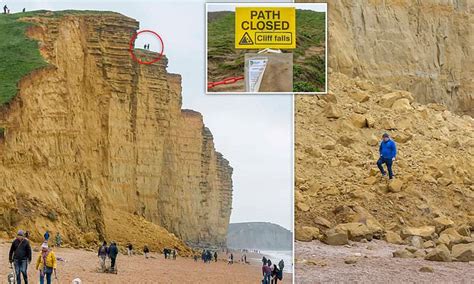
x=137 y=269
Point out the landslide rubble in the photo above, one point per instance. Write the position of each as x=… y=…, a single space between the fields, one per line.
x=340 y=195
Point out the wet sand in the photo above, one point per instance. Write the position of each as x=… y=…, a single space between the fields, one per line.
x=136 y=269
x=320 y=263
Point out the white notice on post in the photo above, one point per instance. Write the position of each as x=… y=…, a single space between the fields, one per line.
x=256 y=69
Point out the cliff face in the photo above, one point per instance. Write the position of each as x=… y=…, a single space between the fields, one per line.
x=425 y=47
x=96 y=140
x=259 y=235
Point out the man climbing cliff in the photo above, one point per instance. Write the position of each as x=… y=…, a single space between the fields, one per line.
x=388 y=152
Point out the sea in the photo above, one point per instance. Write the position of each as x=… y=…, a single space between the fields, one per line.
x=276 y=255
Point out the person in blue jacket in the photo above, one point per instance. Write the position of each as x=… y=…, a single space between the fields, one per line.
x=388 y=152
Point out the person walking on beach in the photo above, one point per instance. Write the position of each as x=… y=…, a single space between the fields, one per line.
x=113 y=252
x=20 y=256
x=388 y=152
x=102 y=254
x=267 y=272
x=46 y=264
x=215 y=256
x=174 y=254
x=59 y=241
x=277 y=273
x=129 y=249
x=146 y=251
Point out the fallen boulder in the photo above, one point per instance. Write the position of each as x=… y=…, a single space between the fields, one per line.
x=395 y=185
x=335 y=238
x=355 y=231
x=393 y=238
x=389 y=99
x=358 y=120
x=426 y=269
x=463 y=252
x=439 y=253
x=332 y=111
x=425 y=232
x=442 y=223
x=402 y=253
x=307 y=234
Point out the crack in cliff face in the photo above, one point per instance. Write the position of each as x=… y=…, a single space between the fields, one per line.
x=111 y=143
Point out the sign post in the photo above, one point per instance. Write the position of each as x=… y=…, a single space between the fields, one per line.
x=265 y=27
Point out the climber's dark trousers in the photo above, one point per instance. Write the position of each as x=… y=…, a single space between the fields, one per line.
x=388 y=162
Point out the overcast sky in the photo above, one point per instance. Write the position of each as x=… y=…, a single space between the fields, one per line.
x=253 y=132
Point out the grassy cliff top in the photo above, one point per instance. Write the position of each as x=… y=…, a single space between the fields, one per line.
x=20 y=55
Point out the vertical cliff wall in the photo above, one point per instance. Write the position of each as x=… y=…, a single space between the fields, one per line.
x=423 y=46
x=96 y=139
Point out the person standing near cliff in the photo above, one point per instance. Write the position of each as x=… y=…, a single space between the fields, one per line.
x=129 y=249
x=46 y=264
x=113 y=252
x=102 y=254
x=20 y=256
x=388 y=152
x=215 y=256
x=46 y=236
x=58 y=240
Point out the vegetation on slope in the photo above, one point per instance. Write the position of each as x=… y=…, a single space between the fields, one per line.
x=309 y=65
x=19 y=55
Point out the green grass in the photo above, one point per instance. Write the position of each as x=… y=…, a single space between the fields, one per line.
x=20 y=55
x=308 y=74
x=310 y=30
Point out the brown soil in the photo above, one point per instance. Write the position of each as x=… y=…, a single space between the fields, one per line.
x=137 y=269
x=320 y=263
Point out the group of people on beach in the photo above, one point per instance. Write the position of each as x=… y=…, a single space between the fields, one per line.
x=207 y=256
x=271 y=272
x=20 y=256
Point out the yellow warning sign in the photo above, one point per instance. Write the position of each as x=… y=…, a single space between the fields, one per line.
x=265 y=27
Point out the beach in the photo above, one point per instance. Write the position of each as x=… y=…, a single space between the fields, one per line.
x=79 y=263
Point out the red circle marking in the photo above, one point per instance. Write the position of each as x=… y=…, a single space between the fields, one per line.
x=132 y=42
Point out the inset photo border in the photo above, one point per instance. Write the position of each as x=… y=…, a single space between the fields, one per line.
x=232 y=69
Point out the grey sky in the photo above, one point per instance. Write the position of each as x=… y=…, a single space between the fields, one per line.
x=253 y=132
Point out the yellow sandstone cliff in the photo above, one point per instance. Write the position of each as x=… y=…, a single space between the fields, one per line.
x=423 y=46
x=97 y=146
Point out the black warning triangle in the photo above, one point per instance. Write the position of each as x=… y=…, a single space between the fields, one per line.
x=246 y=40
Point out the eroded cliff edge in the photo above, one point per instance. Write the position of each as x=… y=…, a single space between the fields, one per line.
x=97 y=145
